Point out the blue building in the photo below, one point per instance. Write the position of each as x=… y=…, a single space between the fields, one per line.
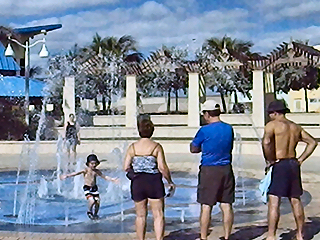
x=12 y=86
x=8 y=66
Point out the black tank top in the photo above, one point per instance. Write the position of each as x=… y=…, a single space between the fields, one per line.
x=71 y=131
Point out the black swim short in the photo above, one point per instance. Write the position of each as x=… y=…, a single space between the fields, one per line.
x=216 y=184
x=286 y=179
x=90 y=191
x=147 y=185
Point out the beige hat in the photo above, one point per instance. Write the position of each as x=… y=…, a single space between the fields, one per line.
x=210 y=105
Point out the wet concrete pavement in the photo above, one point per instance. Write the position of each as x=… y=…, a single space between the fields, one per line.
x=245 y=227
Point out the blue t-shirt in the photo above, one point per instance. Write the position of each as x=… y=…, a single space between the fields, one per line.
x=216 y=143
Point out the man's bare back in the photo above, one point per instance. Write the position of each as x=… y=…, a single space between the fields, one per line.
x=281 y=139
x=286 y=135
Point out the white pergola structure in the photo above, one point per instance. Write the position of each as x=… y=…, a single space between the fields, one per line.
x=69 y=102
x=290 y=54
x=196 y=89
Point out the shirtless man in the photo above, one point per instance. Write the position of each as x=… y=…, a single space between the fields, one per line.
x=90 y=187
x=280 y=140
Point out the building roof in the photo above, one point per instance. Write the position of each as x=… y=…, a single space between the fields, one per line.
x=13 y=86
x=7 y=63
x=37 y=29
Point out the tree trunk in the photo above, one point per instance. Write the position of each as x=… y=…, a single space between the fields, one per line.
x=139 y=102
x=108 y=110
x=96 y=104
x=224 y=106
x=169 y=100
x=104 y=107
x=236 y=101
x=109 y=106
x=306 y=99
x=177 y=100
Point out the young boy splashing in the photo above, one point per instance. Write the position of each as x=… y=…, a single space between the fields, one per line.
x=90 y=187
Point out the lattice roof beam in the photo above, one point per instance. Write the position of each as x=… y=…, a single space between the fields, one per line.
x=309 y=55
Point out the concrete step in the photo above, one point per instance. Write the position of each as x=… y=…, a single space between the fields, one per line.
x=119 y=120
x=305 y=119
x=173 y=132
x=106 y=146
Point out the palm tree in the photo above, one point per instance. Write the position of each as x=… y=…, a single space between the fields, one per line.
x=35 y=71
x=296 y=78
x=113 y=53
x=170 y=75
x=227 y=81
x=216 y=45
x=97 y=43
x=5 y=31
x=117 y=51
x=74 y=52
x=120 y=47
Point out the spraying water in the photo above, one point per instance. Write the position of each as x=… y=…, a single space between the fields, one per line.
x=78 y=181
x=59 y=157
x=28 y=202
x=24 y=152
x=43 y=188
x=27 y=209
x=239 y=166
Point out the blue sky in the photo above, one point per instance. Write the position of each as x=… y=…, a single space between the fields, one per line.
x=266 y=23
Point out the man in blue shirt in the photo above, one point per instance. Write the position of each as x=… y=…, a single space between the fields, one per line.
x=216 y=178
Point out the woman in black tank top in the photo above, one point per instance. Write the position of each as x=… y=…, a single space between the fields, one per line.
x=72 y=137
x=71 y=131
x=146 y=169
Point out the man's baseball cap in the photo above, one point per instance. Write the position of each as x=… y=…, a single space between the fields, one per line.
x=277 y=105
x=210 y=105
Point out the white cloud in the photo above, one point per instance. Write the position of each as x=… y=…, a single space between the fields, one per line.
x=151 y=24
x=181 y=3
x=171 y=23
x=10 y=8
x=302 y=9
x=182 y=7
x=268 y=41
x=152 y=10
x=274 y=10
x=272 y=4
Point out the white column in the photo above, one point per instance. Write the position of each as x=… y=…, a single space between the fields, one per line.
x=193 y=100
x=69 y=105
x=269 y=90
x=258 y=99
x=131 y=101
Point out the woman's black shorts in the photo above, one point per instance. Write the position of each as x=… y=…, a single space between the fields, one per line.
x=147 y=185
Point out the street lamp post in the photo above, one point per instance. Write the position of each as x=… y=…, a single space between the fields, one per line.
x=43 y=54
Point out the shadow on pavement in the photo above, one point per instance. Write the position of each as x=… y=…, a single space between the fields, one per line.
x=312 y=228
x=184 y=234
x=248 y=232
x=242 y=233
